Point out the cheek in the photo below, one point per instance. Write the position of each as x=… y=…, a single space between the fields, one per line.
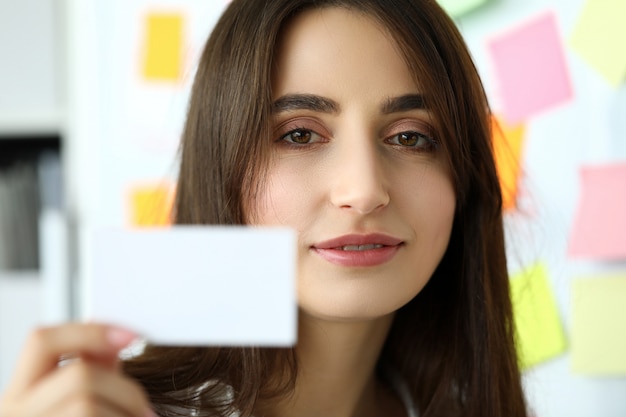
x=430 y=208
x=443 y=208
x=430 y=196
x=443 y=203
x=285 y=198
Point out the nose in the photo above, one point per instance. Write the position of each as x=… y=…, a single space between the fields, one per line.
x=358 y=180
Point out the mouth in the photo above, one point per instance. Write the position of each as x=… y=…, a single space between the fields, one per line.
x=361 y=247
x=359 y=242
x=359 y=250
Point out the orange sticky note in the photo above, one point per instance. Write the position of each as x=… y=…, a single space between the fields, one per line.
x=151 y=205
x=163 y=47
x=507 y=149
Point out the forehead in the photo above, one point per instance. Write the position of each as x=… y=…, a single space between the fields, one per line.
x=336 y=51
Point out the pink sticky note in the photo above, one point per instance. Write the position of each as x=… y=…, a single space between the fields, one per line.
x=599 y=230
x=530 y=67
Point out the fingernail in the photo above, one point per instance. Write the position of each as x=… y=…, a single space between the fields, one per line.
x=120 y=337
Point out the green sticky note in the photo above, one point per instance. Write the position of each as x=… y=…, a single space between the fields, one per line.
x=599 y=325
x=599 y=35
x=538 y=327
x=456 y=8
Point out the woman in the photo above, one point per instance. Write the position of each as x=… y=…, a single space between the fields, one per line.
x=363 y=125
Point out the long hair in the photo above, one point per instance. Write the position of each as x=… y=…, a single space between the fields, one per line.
x=453 y=343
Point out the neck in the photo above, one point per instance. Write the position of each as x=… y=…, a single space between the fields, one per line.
x=337 y=371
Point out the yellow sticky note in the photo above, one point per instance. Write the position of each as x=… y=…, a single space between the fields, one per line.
x=163 y=47
x=598 y=37
x=507 y=148
x=538 y=327
x=599 y=325
x=456 y=8
x=151 y=205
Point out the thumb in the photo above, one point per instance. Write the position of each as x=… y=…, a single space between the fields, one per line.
x=111 y=359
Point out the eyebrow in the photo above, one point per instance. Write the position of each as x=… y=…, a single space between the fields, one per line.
x=321 y=104
x=311 y=102
x=404 y=103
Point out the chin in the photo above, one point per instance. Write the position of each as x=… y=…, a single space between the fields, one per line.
x=343 y=309
x=357 y=296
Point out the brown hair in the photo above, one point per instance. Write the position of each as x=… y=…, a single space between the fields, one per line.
x=453 y=343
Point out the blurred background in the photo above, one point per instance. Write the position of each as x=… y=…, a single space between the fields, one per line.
x=93 y=97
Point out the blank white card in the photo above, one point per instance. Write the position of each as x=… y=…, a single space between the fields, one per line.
x=196 y=285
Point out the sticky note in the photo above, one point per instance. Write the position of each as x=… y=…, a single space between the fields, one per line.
x=599 y=227
x=507 y=148
x=530 y=69
x=598 y=37
x=194 y=285
x=163 y=47
x=598 y=338
x=151 y=205
x=456 y=8
x=538 y=326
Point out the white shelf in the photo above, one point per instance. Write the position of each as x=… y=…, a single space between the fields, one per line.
x=9 y=278
x=33 y=123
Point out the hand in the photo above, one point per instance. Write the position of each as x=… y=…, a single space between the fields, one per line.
x=90 y=385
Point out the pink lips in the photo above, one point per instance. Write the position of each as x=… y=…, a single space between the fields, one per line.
x=359 y=250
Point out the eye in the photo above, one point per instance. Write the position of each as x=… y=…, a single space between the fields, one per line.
x=300 y=136
x=415 y=140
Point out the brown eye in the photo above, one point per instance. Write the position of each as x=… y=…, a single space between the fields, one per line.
x=300 y=136
x=408 y=139
x=413 y=140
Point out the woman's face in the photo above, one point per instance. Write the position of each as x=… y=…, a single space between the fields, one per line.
x=357 y=170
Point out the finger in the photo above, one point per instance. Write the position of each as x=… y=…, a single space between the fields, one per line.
x=80 y=381
x=46 y=345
